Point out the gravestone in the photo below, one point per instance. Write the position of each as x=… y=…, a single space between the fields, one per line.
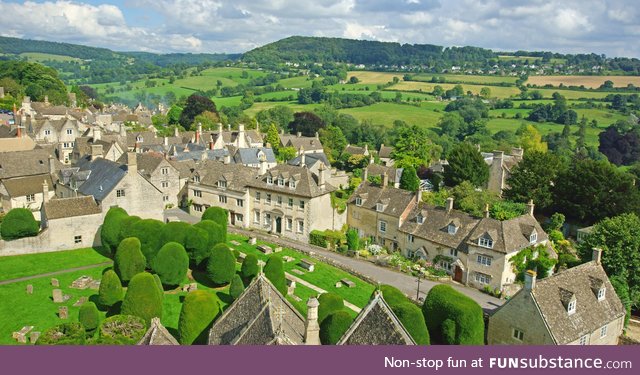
x=21 y=335
x=265 y=249
x=55 y=283
x=307 y=265
x=29 y=289
x=348 y=283
x=80 y=301
x=277 y=249
x=82 y=282
x=34 y=336
x=235 y=243
x=63 y=312
x=253 y=241
x=288 y=259
x=57 y=296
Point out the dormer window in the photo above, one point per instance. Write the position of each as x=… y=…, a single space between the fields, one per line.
x=571 y=307
x=420 y=219
x=379 y=207
x=222 y=184
x=138 y=138
x=292 y=184
x=280 y=181
x=269 y=180
x=533 y=238
x=358 y=201
x=196 y=178
x=485 y=242
x=47 y=132
x=601 y=293
x=69 y=131
x=452 y=228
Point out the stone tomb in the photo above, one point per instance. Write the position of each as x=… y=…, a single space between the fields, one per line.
x=265 y=249
x=29 y=289
x=82 y=282
x=63 y=312
x=307 y=265
x=288 y=259
x=55 y=283
x=34 y=336
x=21 y=335
x=58 y=297
x=235 y=243
x=253 y=241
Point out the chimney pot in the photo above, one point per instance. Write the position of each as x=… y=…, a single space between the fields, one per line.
x=596 y=255
x=449 y=204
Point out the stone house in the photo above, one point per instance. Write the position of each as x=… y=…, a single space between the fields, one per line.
x=74 y=222
x=577 y=306
x=317 y=161
x=240 y=138
x=306 y=145
x=61 y=133
x=393 y=174
x=253 y=157
x=500 y=167
x=160 y=173
x=356 y=150
x=379 y=211
x=385 y=155
x=112 y=145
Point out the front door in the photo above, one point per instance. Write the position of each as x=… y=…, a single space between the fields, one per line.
x=278 y=225
x=457 y=274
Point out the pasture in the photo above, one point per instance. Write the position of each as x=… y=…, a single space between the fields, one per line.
x=586 y=81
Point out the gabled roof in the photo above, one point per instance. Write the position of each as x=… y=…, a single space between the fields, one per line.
x=395 y=201
x=102 y=176
x=252 y=155
x=385 y=152
x=157 y=334
x=21 y=186
x=24 y=163
x=295 y=141
x=394 y=174
x=355 y=150
x=306 y=181
x=184 y=167
x=377 y=325
x=58 y=208
x=237 y=176
x=310 y=159
x=260 y=316
x=147 y=162
x=508 y=235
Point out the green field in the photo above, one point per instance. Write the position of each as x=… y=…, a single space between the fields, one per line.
x=427 y=87
x=39 y=57
x=488 y=80
x=387 y=113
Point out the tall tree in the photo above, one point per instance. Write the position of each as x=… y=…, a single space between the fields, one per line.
x=533 y=179
x=333 y=142
x=306 y=123
x=412 y=147
x=466 y=164
x=531 y=139
x=409 y=179
x=196 y=104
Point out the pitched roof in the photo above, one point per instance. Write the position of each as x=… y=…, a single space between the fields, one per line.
x=377 y=325
x=147 y=162
x=98 y=177
x=253 y=155
x=157 y=334
x=295 y=141
x=394 y=201
x=310 y=159
x=58 y=208
x=236 y=176
x=24 y=163
x=21 y=186
x=385 y=151
x=260 y=316
x=184 y=167
x=394 y=174
x=508 y=235
x=306 y=182
x=590 y=314
x=355 y=150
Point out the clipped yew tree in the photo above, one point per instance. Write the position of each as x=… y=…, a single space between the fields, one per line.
x=126 y=225
x=121 y=330
x=111 y=228
x=221 y=265
x=199 y=310
x=334 y=326
x=412 y=319
x=129 y=260
x=329 y=303
x=143 y=299
x=218 y=215
x=19 y=223
x=392 y=295
x=353 y=239
x=197 y=246
x=171 y=264
x=465 y=324
x=110 y=291
x=274 y=271
x=249 y=268
x=175 y=231
x=237 y=287
x=89 y=317
x=156 y=278
x=149 y=232
x=216 y=233
x=63 y=334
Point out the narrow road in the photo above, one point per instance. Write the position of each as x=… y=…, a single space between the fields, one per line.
x=25 y=278
x=382 y=275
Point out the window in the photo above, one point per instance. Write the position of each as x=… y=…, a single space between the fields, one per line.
x=269 y=180
x=222 y=184
x=165 y=184
x=196 y=178
x=410 y=238
x=571 y=308
x=239 y=218
x=239 y=203
x=258 y=196
x=603 y=331
x=601 y=293
x=268 y=199
x=256 y=217
x=358 y=201
x=484 y=260
x=411 y=254
x=453 y=252
x=165 y=198
x=77 y=239
x=267 y=219
x=280 y=181
x=292 y=184
x=290 y=202
x=382 y=226
x=420 y=219
x=583 y=340
x=69 y=131
x=301 y=205
x=379 y=207
x=485 y=242
x=445 y=265
x=120 y=193
x=452 y=229
x=197 y=207
x=47 y=132
x=483 y=278
x=518 y=334
x=534 y=237
x=164 y=171
x=300 y=226
x=222 y=198
x=31 y=197
x=289 y=224
x=279 y=200
x=197 y=193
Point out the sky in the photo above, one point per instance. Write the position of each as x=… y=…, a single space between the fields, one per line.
x=610 y=27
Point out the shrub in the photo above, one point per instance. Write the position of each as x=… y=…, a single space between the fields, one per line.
x=353 y=240
x=143 y=298
x=121 y=330
x=110 y=291
x=219 y=216
x=149 y=232
x=274 y=271
x=63 y=334
x=556 y=236
x=622 y=290
x=197 y=245
x=393 y=296
x=19 y=223
x=111 y=227
x=442 y=303
x=125 y=227
x=329 y=303
x=129 y=260
x=175 y=231
x=221 y=265
x=199 y=310
x=448 y=330
x=158 y=282
x=236 y=288
x=317 y=238
x=89 y=316
x=214 y=230
x=249 y=268
x=171 y=264
x=334 y=326
x=412 y=319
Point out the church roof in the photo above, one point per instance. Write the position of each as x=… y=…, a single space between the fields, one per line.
x=157 y=334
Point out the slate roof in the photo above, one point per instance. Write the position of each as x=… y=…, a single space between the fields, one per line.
x=157 y=334
x=377 y=325
x=147 y=162
x=260 y=316
x=24 y=163
x=394 y=201
x=306 y=182
x=58 y=110
x=590 y=313
x=21 y=186
x=185 y=167
x=236 y=176
x=251 y=155
x=98 y=177
x=311 y=159
x=58 y=208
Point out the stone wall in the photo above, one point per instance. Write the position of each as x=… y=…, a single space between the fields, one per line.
x=510 y=317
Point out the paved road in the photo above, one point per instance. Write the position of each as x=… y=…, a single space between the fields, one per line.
x=407 y=284
x=11 y=281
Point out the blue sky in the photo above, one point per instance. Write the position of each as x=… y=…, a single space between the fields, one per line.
x=611 y=27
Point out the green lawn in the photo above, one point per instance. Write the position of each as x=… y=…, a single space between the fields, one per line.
x=387 y=113
x=16 y=266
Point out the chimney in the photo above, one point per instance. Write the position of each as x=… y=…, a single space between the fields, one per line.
x=123 y=130
x=321 y=177
x=449 y=205
x=418 y=196
x=52 y=165
x=263 y=167
x=366 y=148
x=198 y=133
x=45 y=192
x=176 y=132
x=311 y=327
x=219 y=128
x=365 y=174
x=227 y=159
x=303 y=158
x=486 y=210
x=529 y=280
x=96 y=152
x=596 y=255
x=46 y=100
x=317 y=135
x=165 y=141
x=385 y=179
x=97 y=133
x=132 y=163
x=371 y=159
x=229 y=127
x=240 y=141
x=299 y=134
x=531 y=207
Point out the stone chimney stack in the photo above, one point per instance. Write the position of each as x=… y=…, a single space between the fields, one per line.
x=229 y=127
x=486 y=210
x=418 y=196
x=531 y=207
x=366 y=148
x=227 y=159
x=52 y=165
x=529 y=280
x=176 y=132
x=165 y=141
x=198 y=133
x=45 y=192
x=240 y=139
x=123 y=130
x=371 y=159
x=317 y=135
x=312 y=328
x=449 y=205
x=365 y=175
x=97 y=133
x=596 y=255
x=385 y=180
x=96 y=152
x=46 y=100
x=299 y=134
x=303 y=158
x=132 y=163
x=321 y=176
x=263 y=166
x=219 y=128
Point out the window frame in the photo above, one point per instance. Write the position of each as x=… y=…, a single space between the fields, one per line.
x=484 y=260
x=382 y=226
x=518 y=334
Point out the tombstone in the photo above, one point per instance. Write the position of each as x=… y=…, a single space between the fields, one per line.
x=80 y=301
x=307 y=265
x=253 y=241
x=29 y=289
x=63 y=312
x=277 y=249
x=57 y=296
x=348 y=283
x=265 y=249
x=82 y=282
x=288 y=259
x=33 y=337
x=55 y=283
x=21 y=335
x=338 y=284
x=235 y=243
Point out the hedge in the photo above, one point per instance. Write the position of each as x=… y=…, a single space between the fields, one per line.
x=334 y=326
x=218 y=215
x=129 y=260
x=199 y=310
x=111 y=228
x=149 y=232
x=274 y=271
x=171 y=264
x=19 y=223
x=249 y=268
x=328 y=237
x=110 y=291
x=175 y=231
x=197 y=246
x=143 y=298
x=442 y=303
x=215 y=231
x=353 y=239
x=89 y=316
x=125 y=227
x=329 y=303
x=159 y=286
x=412 y=319
x=63 y=334
x=237 y=287
x=221 y=265
x=121 y=330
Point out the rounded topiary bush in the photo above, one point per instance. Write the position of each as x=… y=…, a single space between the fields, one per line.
x=125 y=227
x=171 y=264
x=143 y=298
x=236 y=288
x=149 y=232
x=249 y=268
x=329 y=303
x=111 y=228
x=216 y=233
x=221 y=265
x=393 y=296
x=334 y=326
x=412 y=319
x=175 y=231
x=129 y=260
x=197 y=246
x=63 y=334
x=89 y=316
x=19 y=223
x=218 y=215
x=199 y=310
x=156 y=278
x=110 y=291
x=442 y=303
x=274 y=271
x=121 y=330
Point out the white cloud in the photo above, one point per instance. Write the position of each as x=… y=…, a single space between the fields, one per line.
x=571 y=20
